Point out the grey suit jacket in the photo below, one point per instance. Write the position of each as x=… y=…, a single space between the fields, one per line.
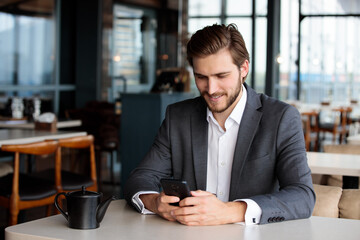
x=270 y=163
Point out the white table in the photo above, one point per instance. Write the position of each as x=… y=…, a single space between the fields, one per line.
x=24 y=136
x=26 y=125
x=353 y=139
x=122 y=222
x=334 y=163
x=347 y=165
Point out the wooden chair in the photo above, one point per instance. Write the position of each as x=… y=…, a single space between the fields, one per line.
x=20 y=191
x=69 y=179
x=310 y=127
x=99 y=119
x=334 y=121
x=107 y=142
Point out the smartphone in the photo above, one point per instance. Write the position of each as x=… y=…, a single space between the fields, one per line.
x=175 y=187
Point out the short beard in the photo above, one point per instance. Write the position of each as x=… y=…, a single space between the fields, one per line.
x=230 y=101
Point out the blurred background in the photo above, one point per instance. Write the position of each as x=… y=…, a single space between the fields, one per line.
x=117 y=64
x=70 y=52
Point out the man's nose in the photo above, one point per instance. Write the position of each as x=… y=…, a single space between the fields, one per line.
x=212 y=86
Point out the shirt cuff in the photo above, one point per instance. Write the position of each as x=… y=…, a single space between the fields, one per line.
x=139 y=204
x=253 y=212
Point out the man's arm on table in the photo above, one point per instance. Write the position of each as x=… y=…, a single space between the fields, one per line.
x=202 y=209
x=295 y=198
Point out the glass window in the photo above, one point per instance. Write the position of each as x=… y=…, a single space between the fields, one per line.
x=133 y=50
x=236 y=7
x=27 y=54
x=7 y=56
x=240 y=13
x=330 y=7
x=261 y=7
x=36 y=51
x=260 y=58
x=327 y=67
x=127 y=46
x=26 y=50
x=204 y=8
x=199 y=23
x=288 y=50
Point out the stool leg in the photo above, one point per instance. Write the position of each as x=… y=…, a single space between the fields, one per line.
x=98 y=166
x=112 y=167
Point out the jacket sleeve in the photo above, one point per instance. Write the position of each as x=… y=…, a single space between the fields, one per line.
x=155 y=165
x=295 y=198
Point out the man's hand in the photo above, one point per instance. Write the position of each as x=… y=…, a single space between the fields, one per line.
x=205 y=209
x=160 y=204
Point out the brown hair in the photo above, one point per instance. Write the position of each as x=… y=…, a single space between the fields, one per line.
x=211 y=39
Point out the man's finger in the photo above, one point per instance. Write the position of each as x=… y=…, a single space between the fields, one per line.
x=200 y=193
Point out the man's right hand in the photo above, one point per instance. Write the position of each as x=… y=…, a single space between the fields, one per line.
x=160 y=204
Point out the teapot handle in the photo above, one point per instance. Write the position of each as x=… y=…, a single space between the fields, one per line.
x=58 y=207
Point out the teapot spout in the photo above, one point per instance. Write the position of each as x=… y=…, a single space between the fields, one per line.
x=102 y=207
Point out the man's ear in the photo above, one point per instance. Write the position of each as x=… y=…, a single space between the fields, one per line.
x=244 y=69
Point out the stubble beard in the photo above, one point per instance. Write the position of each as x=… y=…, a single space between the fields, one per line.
x=231 y=99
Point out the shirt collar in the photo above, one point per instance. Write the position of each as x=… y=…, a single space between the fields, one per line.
x=237 y=112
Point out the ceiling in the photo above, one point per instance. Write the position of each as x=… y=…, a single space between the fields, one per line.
x=28 y=7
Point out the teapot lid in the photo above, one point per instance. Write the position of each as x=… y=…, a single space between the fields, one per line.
x=84 y=193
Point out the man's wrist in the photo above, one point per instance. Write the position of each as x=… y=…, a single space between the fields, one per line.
x=149 y=201
x=236 y=211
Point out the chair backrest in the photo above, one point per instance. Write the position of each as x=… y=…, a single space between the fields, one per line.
x=329 y=115
x=306 y=130
x=80 y=142
x=77 y=142
x=37 y=148
x=14 y=202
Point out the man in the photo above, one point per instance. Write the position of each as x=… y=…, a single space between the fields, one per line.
x=243 y=152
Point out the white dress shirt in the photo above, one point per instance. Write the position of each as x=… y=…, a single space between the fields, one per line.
x=221 y=148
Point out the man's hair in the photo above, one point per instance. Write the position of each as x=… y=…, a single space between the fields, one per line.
x=211 y=39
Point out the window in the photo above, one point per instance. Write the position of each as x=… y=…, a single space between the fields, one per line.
x=133 y=50
x=329 y=37
x=28 y=55
x=245 y=16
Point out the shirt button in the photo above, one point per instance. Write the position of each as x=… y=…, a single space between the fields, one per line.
x=221 y=193
x=222 y=163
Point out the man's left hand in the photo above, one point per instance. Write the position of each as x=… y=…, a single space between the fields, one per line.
x=203 y=208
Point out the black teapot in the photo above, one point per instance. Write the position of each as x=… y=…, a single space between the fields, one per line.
x=84 y=208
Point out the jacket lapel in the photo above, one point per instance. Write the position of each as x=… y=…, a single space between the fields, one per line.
x=199 y=135
x=247 y=130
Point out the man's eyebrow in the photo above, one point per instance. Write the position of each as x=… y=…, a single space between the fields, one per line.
x=215 y=74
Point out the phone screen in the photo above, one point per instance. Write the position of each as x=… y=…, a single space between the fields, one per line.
x=175 y=187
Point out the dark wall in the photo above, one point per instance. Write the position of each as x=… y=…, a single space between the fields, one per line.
x=88 y=49
x=80 y=48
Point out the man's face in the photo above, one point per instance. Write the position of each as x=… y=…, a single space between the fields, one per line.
x=219 y=80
